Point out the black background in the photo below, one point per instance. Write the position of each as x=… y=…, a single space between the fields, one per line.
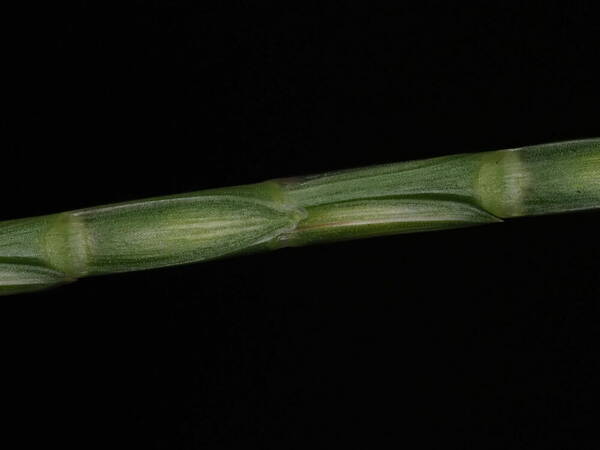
x=473 y=338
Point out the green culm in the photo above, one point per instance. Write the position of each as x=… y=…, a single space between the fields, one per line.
x=434 y=194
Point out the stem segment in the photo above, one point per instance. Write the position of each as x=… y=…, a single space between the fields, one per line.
x=439 y=193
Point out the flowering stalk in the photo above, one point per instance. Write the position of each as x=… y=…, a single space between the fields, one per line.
x=433 y=194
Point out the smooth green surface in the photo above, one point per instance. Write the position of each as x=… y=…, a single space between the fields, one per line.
x=355 y=219
x=434 y=194
x=179 y=230
x=28 y=277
